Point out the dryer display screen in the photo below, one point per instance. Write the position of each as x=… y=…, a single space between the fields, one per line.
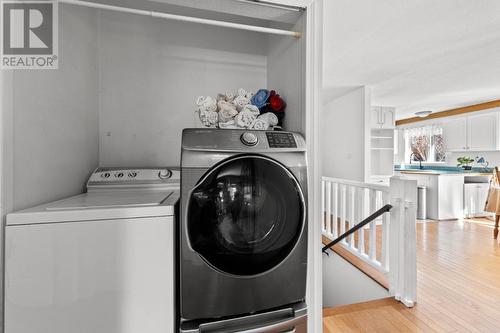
x=281 y=140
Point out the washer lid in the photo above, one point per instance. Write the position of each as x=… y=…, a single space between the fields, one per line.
x=112 y=199
x=96 y=206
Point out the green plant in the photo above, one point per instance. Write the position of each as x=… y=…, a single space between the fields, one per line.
x=464 y=161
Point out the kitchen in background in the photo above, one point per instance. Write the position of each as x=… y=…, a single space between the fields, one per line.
x=451 y=155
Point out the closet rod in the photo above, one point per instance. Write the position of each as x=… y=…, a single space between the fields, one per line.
x=295 y=34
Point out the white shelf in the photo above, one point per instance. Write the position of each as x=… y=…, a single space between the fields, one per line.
x=381 y=148
x=382 y=137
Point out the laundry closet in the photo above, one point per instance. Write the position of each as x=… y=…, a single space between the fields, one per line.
x=127 y=86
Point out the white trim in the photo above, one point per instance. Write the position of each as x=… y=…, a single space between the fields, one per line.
x=313 y=79
x=6 y=165
x=184 y=18
x=377 y=187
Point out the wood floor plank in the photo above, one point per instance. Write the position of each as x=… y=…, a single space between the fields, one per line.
x=458 y=274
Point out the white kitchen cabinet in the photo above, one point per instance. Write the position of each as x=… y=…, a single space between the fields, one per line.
x=444 y=194
x=475 y=195
x=476 y=131
x=455 y=133
x=481 y=131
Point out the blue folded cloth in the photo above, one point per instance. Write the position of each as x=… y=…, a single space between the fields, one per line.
x=260 y=98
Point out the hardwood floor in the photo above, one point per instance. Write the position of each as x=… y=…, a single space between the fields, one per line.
x=458 y=286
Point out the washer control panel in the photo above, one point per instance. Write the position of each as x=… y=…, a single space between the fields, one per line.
x=133 y=177
x=281 y=140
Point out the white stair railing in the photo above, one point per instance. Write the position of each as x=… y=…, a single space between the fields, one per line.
x=387 y=244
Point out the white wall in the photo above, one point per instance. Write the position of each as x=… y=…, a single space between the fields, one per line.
x=343 y=135
x=55 y=117
x=49 y=122
x=345 y=284
x=285 y=54
x=400 y=155
x=151 y=72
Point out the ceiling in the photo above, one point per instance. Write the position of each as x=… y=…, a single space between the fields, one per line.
x=415 y=54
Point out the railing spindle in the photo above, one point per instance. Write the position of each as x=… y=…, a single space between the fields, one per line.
x=335 y=212
x=323 y=227
x=343 y=207
x=352 y=212
x=328 y=202
x=373 y=227
x=360 y=200
x=384 y=259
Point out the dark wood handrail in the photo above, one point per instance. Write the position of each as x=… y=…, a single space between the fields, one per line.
x=383 y=210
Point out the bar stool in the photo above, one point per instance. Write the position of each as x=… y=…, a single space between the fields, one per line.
x=493 y=200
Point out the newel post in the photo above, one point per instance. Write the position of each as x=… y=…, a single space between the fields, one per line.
x=403 y=240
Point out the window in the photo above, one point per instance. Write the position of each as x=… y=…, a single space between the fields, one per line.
x=425 y=144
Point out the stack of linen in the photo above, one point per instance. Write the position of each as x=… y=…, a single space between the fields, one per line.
x=263 y=110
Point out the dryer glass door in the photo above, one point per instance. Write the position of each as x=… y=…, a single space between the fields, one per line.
x=246 y=215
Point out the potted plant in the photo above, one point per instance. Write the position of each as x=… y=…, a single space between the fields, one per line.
x=465 y=162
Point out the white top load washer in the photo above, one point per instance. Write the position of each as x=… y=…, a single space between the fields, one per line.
x=102 y=261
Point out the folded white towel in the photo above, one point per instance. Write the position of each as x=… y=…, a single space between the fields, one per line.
x=252 y=109
x=245 y=118
x=206 y=103
x=240 y=101
x=227 y=111
x=220 y=97
x=260 y=124
x=229 y=96
x=270 y=117
x=244 y=93
x=209 y=118
x=228 y=124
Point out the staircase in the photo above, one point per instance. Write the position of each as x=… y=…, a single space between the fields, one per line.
x=379 y=259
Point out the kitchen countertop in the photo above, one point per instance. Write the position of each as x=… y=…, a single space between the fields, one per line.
x=443 y=172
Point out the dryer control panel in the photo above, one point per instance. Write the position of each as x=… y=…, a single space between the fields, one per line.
x=236 y=140
x=281 y=140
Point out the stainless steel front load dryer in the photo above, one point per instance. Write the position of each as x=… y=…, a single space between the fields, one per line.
x=243 y=230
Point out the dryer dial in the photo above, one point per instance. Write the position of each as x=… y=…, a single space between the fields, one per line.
x=249 y=139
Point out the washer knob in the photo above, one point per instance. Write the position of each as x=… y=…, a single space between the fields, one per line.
x=249 y=139
x=105 y=175
x=165 y=174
